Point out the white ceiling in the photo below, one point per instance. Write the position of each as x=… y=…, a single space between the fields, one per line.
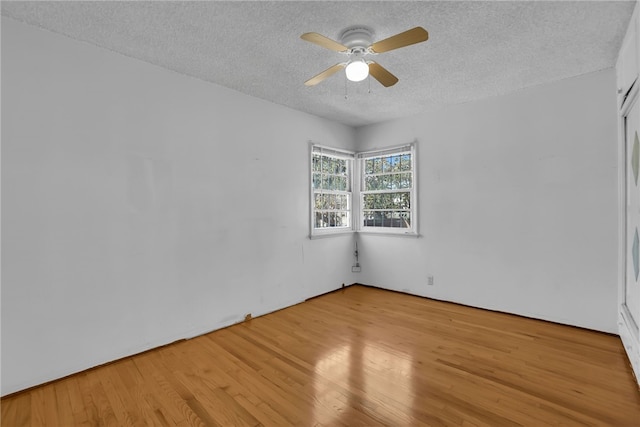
x=475 y=49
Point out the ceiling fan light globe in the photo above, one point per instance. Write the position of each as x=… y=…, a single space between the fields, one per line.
x=357 y=71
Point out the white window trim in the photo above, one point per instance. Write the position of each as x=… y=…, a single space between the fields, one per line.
x=336 y=152
x=392 y=231
x=356 y=178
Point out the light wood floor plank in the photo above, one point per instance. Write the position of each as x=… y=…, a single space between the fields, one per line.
x=356 y=357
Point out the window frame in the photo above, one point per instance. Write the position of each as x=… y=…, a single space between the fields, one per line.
x=349 y=156
x=355 y=182
x=361 y=158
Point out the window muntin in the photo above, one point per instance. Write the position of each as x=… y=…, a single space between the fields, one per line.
x=331 y=183
x=387 y=191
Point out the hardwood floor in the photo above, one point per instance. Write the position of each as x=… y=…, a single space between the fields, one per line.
x=359 y=356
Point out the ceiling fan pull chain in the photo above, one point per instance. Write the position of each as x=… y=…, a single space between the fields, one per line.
x=345 y=88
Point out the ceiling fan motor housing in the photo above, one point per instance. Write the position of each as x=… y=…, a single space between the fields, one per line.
x=357 y=37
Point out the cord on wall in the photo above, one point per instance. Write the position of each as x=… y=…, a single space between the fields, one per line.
x=356 y=267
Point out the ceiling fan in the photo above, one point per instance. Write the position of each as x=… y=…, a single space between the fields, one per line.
x=355 y=42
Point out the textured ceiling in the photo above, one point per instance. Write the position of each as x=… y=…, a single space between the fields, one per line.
x=475 y=49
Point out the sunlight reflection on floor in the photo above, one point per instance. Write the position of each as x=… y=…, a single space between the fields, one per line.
x=389 y=371
x=370 y=369
x=332 y=369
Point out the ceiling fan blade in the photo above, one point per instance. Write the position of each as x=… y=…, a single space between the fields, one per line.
x=409 y=37
x=323 y=75
x=382 y=75
x=323 y=41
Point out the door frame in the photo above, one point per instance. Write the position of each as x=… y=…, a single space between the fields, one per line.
x=624 y=319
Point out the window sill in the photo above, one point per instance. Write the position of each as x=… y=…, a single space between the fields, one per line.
x=389 y=233
x=331 y=234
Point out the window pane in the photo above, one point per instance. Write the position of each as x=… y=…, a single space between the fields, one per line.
x=377 y=165
x=342 y=203
x=317 y=181
x=380 y=182
x=396 y=220
x=340 y=183
x=405 y=162
x=315 y=163
x=368 y=166
x=369 y=219
x=406 y=218
x=386 y=165
x=404 y=180
x=387 y=201
x=344 y=219
x=388 y=182
x=392 y=219
x=325 y=164
x=332 y=210
x=395 y=181
x=366 y=217
x=395 y=163
x=370 y=183
x=386 y=219
x=398 y=181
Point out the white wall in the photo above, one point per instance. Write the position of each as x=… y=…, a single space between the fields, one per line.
x=128 y=220
x=518 y=204
x=140 y=206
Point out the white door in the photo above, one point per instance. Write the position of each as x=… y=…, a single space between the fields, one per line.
x=632 y=286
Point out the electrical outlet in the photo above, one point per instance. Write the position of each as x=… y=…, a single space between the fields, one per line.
x=430 y=280
x=356 y=268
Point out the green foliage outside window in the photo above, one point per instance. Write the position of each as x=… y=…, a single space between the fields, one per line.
x=331 y=186
x=387 y=184
x=329 y=173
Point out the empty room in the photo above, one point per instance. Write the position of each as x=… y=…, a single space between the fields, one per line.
x=307 y=213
